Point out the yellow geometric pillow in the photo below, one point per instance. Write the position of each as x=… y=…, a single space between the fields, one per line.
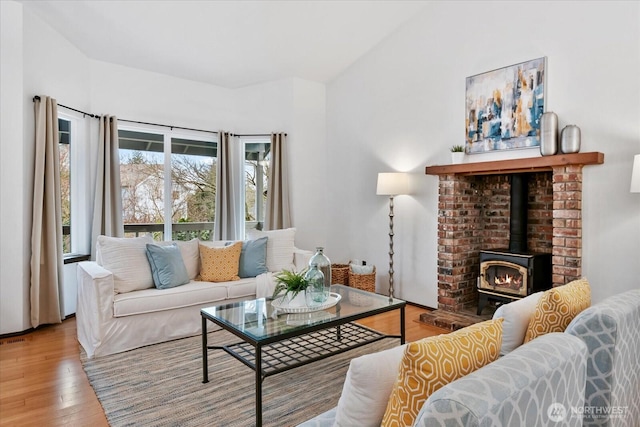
x=434 y=362
x=557 y=307
x=220 y=264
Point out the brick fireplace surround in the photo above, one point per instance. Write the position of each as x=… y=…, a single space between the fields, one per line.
x=473 y=214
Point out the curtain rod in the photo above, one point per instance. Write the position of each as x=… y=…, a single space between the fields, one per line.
x=36 y=98
x=152 y=124
x=167 y=126
x=255 y=134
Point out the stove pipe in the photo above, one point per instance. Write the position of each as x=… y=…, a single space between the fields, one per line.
x=518 y=213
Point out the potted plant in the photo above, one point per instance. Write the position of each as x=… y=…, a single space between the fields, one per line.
x=457 y=154
x=289 y=285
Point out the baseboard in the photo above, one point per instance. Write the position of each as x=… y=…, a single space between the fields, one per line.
x=28 y=331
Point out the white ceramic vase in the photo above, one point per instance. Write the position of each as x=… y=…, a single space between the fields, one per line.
x=457 y=157
x=297 y=302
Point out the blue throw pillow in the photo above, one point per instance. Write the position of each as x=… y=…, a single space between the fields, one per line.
x=167 y=267
x=253 y=258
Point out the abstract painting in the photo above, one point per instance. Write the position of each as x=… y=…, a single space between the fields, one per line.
x=504 y=106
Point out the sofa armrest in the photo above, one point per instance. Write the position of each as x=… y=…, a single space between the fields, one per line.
x=517 y=389
x=610 y=331
x=301 y=258
x=94 y=305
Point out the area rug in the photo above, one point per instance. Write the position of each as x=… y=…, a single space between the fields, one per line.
x=161 y=385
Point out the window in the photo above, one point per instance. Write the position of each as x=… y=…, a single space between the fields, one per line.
x=256 y=168
x=193 y=184
x=168 y=183
x=64 y=148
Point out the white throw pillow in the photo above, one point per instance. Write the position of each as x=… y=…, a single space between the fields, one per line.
x=280 y=248
x=126 y=258
x=516 y=316
x=190 y=252
x=367 y=388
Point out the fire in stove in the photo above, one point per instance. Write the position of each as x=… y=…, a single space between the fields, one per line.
x=509 y=281
x=503 y=276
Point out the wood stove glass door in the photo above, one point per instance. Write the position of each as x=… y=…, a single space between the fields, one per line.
x=504 y=277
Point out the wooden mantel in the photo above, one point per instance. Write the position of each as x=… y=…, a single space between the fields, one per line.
x=531 y=164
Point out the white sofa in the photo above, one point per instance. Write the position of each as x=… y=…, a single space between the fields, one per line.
x=111 y=321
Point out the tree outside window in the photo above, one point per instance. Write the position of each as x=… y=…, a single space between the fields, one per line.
x=64 y=149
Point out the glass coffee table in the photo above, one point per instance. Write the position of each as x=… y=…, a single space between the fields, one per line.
x=275 y=340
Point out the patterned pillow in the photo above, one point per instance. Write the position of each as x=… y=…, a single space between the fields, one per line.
x=557 y=307
x=220 y=264
x=432 y=363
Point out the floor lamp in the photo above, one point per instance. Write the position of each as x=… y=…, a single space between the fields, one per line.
x=392 y=184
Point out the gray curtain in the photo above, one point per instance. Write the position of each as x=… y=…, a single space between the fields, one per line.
x=278 y=214
x=107 y=206
x=227 y=222
x=46 y=228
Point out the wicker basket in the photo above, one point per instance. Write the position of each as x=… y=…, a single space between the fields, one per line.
x=340 y=274
x=366 y=282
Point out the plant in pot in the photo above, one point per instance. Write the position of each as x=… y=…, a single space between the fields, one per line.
x=457 y=154
x=289 y=285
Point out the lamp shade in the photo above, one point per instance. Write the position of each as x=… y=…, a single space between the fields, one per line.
x=392 y=183
x=635 y=175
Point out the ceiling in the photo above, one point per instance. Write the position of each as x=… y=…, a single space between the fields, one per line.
x=228 y=43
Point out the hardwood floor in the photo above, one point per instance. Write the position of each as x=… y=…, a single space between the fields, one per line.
x=42 y=382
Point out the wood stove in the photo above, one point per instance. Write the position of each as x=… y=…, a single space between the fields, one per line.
x=506 y=276
x=513 y=273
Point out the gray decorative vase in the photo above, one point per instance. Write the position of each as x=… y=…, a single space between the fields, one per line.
x=570 y=139
x=548 y=133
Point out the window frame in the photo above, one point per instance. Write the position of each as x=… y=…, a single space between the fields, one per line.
x=245 y=140
x=81 y=186
x=168 y=134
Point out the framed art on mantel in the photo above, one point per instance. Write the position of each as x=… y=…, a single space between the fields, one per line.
x=504 y=106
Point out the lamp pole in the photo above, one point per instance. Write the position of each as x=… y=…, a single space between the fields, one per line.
x=390 y=247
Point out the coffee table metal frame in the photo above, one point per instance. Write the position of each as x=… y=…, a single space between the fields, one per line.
x=298 y=345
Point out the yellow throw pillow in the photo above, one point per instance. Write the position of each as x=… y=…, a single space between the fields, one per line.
x=557 y=307
x=220 y=264
x=434 y=362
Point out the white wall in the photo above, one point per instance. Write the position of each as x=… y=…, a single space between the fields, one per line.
x=12 y=244
x=402 y=106
x=294 y=106
x=35 y=61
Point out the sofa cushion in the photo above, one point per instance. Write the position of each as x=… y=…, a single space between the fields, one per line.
x=126 y=258
x=167 y=267
x=367 y=387
x=242 y=288
x=517 y=315
x=433 y=362
x=280 y=248
x=220 y=264
x=152 y=300
x=253 y=257
x=557 y=307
